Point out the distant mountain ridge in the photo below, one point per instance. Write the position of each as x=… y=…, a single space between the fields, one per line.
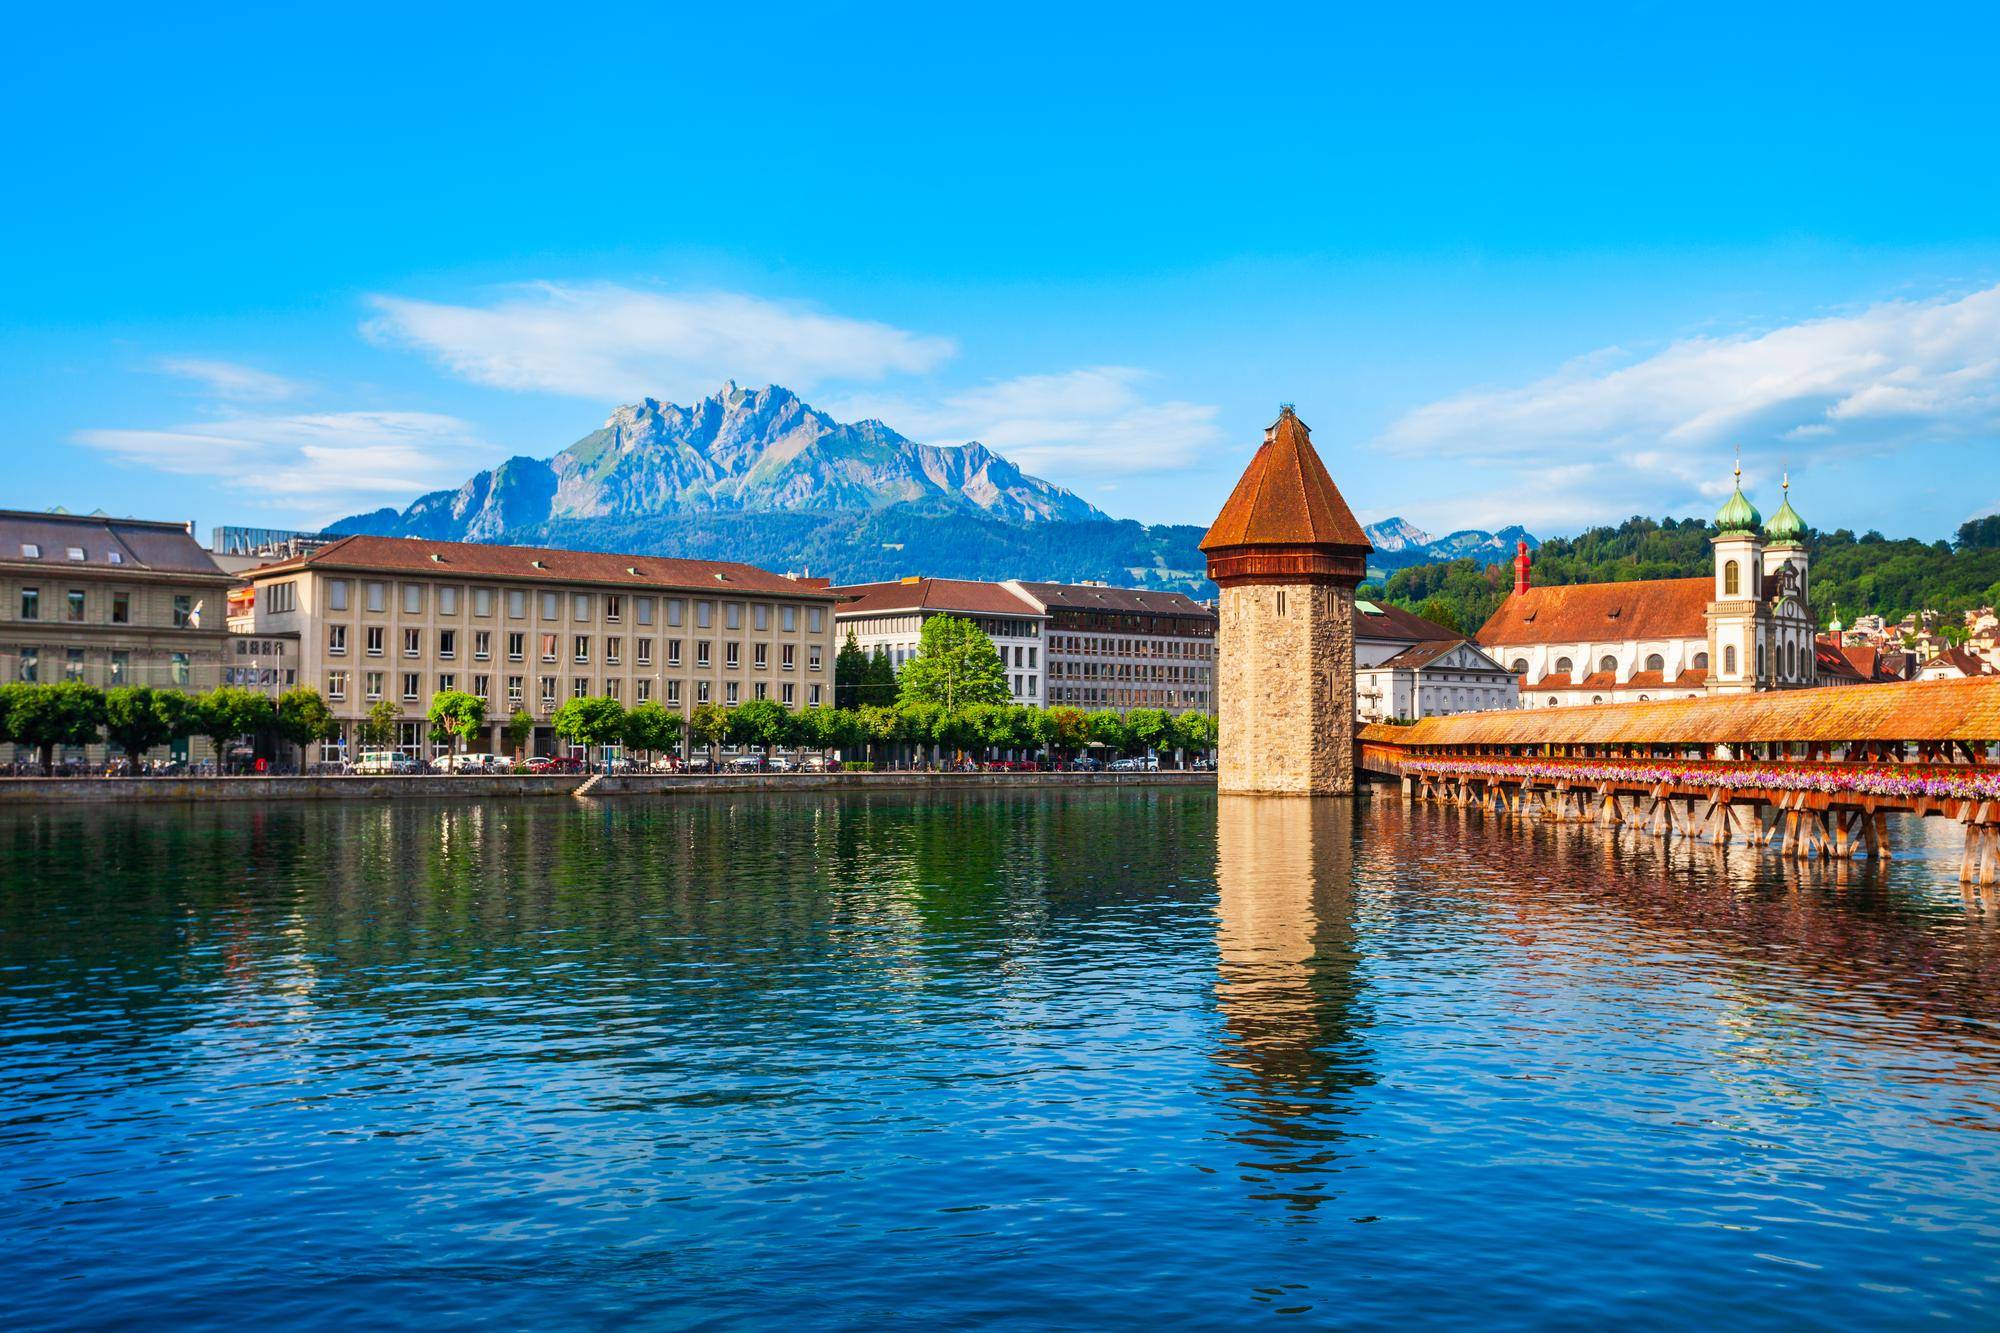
x=1400 y=543
x=740 y=450
x=758 y=475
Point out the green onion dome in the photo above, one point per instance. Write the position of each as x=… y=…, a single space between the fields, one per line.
x=1786 y=525
x=1739 y=515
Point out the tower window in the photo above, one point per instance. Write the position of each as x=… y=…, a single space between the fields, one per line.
x=1732 y=579
x=1281 y=601
x=1729 y=660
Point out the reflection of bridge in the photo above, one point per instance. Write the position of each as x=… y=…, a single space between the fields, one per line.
x=1813 y=771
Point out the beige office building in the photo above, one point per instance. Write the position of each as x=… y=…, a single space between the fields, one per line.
x=398 y=620
x=108 y=601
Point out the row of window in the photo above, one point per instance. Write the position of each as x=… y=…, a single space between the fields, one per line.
x=1654 y=662
x=74 y=606
x=373 y=684
x=1144 y=698
x=33 y=551
x=75 y=661
x=1127 y=647
x=1073 y=670
x=582 y=606
x=581 y=646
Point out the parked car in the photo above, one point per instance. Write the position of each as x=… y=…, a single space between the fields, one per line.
x=780 y=764
x=819 y=763
x=554 y=764
x=701 y=763
x=472 y=763
x=386 y=761
x=1138 y=764
x=1085 y=764
x=1201 y=766
x=747 y=763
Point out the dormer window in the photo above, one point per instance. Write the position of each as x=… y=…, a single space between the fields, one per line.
x=30 y=551
x=76 y=553
x=115 y=557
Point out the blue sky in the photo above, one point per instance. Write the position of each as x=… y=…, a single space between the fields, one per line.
x=1548 y=265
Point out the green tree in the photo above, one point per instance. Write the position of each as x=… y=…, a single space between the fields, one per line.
x=709 y=726
x=1440 y=610
x=917 y=722
x=650 y=728
x=850 y=674
x=955 y=666
x=880 y=689
x=180 y=711
x=64 y=713
x=1151 y=729
x=520 y=730
x=458 y=714
x=134 y=721
x=303 y=717
x=377 y=731
x=1062 y=729
x=228 y=713
x=1195 y=732
x=760 y=722
x=591 y=722
x=878 y=726
x=1105 y=728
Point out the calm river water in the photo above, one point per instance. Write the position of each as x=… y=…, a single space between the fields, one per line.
x=1104 y=1058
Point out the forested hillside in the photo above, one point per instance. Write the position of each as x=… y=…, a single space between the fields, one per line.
x=1853 y=575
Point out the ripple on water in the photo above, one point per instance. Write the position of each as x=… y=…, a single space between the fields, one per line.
x=1106 y=1058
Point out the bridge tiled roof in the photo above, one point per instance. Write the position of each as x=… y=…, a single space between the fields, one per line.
x=1931 y=710
x=1602 y=612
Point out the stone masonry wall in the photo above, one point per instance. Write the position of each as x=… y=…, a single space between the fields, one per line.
x=1285 y=690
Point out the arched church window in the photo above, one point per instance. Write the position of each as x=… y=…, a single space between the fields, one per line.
x=1552 y=701
x=1760 y=661
x=1732 y=579
x=1701 y=661
x=1597 y=698
x=1729 y=660
x=1655 y=662
x=1607 y=663
x=1564 y=667
x=1520 y=667
x=1791 y=659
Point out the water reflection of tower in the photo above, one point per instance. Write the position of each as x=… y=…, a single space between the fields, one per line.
x=1289 y=988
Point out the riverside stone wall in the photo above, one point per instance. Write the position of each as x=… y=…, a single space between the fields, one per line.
x=30 y=791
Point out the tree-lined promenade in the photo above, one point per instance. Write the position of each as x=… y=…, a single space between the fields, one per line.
x=950 y=702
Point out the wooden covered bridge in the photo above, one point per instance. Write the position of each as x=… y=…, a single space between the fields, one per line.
x=1814 y=772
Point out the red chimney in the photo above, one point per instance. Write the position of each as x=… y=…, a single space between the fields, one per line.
x=1521 y=563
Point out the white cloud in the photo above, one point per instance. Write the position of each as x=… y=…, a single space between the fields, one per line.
x=606 y=342
x=1612 y=433
x=229 y=381
x=326 y=464
x=1092 y=420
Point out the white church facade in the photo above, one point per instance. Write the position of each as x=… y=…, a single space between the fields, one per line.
x=1745 y=627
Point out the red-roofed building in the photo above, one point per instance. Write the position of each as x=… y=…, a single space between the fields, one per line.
x=396 y=621
x=1745 y=627
x=891 y=616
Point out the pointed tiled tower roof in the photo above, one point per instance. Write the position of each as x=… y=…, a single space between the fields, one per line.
x=1286 y=520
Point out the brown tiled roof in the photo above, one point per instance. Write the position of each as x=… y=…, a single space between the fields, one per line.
x=1423 y=654
x=1285 y=498
x=408 y=555
x=1690 y=679
x=935 y=595
x=1129 y=601
x=1931 y=710
x=1964 y=661
x=134 y=544
x=1834 y=663
x=1596 y=612
x=1381 y=620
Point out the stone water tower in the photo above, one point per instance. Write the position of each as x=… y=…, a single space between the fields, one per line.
x=1287 y=554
